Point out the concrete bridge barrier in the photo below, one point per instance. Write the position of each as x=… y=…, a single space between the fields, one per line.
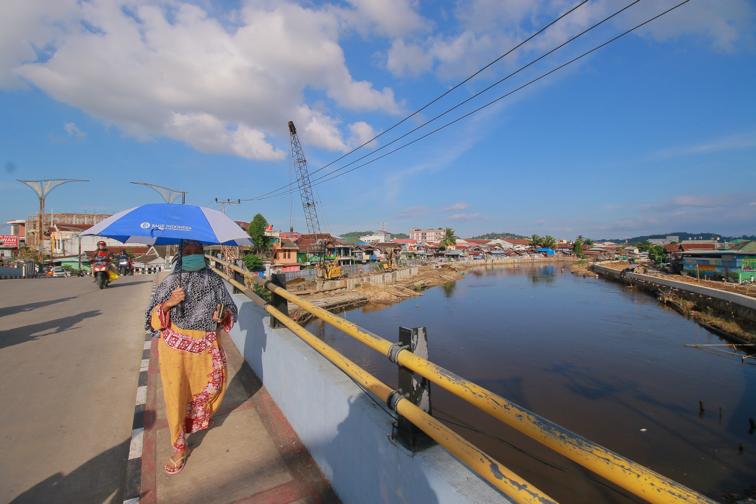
x=347 y=433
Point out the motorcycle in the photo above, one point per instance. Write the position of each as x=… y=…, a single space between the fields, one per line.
x=124 y=268
x=102 y=278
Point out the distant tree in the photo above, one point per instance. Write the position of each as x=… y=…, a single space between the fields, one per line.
x=657 y=254
x=253 y=262
x=548 y=241
x=589 y=242
x=577 y=246
x=256 y=230
x=644 y=246
x=535 y=240
x=449 y=238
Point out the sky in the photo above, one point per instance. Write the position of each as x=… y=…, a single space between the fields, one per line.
x=653 y=133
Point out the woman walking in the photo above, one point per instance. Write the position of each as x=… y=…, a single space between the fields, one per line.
x=192 y=362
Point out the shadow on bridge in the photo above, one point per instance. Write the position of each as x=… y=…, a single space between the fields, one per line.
x=32 y=332
x=96 y=480
x=11 y=310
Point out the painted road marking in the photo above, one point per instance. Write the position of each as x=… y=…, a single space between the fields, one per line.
x=141 y=395
x=137 y=440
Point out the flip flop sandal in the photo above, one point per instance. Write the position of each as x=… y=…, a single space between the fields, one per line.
x=175 y=466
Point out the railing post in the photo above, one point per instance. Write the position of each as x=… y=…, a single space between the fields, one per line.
x=276 y=301
x=415 y=388
x=238 y=277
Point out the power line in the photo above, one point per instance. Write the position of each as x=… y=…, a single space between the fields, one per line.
x=486 y=89
x=333 y=175
x=442 y=95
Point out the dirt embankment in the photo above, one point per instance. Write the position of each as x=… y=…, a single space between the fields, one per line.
x=426 y=278
x=582 y=268
x=709 y=318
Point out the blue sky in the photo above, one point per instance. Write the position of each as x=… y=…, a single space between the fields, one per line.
x=654 y=133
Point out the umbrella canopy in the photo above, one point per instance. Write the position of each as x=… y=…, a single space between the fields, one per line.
x=166 y=224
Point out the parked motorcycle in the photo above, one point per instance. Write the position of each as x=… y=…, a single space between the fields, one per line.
x=102 y=278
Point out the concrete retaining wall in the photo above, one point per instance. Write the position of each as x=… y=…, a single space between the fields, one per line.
x=347 y=433
x=730 y=297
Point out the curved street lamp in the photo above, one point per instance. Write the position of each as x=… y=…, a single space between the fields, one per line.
x=169 y=195
x=42 y=188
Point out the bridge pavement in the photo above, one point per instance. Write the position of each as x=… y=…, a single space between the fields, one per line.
x=70 y=357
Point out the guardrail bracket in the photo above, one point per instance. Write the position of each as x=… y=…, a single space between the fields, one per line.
x=415 y=388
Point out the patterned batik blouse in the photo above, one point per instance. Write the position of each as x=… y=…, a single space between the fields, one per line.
x=204 y=290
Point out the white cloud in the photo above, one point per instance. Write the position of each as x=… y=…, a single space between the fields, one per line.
x=26 y=27
x=486 y=28
x=361 y=132
x=73 y=131
x=457 y=206
x=464 y=217
x=170 y=69
x=408 y=59
x=742 y=141
x=393 y=18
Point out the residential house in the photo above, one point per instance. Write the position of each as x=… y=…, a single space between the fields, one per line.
x=285 y=256
x=381 y=236
x=316 y=246
x=427 y=235
x=737 y=265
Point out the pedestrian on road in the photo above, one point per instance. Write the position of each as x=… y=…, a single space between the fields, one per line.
x=192 y=362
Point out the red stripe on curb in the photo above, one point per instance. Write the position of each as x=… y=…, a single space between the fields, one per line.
x=282 y=494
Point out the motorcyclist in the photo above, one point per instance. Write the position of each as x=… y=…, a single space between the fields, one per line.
x=124 y=262
x=102 y=255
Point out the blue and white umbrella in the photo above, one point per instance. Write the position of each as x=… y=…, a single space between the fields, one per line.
x=166 y=224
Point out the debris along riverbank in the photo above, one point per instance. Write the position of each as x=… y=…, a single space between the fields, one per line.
x=708 y=306
x=394 y=287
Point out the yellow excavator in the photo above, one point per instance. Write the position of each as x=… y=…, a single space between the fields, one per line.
x=325 y=269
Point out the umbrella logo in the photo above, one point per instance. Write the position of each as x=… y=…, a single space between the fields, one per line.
x=145 y=225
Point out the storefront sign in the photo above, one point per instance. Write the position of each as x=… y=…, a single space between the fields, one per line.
x=9 y=241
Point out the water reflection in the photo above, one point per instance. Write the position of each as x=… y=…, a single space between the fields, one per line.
x=544 y=274
x=449 y=288
x=605 y=361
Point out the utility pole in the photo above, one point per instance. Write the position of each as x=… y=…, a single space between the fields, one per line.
x=42 y=188
x=228 y=252
x=169 y=195
x=223 y=203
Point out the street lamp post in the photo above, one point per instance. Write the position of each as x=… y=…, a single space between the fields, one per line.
x=42 y=188
x=169 y=195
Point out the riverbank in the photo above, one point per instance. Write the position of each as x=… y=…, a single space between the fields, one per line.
x=725 y=311
x=393 y=287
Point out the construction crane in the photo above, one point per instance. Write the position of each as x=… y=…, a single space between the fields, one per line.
x=303 y=180
x=327 y=270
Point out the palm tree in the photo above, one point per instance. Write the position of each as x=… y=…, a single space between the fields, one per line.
x=449 y=238
x=535 y=241
x=548 y=241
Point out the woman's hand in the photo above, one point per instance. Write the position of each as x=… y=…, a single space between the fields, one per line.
x=176 y=297
x=217 y=315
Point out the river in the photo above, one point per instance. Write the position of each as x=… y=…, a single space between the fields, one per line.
x=604 y=360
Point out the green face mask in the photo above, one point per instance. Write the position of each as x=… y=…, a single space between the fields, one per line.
x=193 y=262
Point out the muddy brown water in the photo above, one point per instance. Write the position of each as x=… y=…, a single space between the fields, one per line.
x=599 y=358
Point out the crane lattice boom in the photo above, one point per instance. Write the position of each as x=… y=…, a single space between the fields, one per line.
x=303 y=180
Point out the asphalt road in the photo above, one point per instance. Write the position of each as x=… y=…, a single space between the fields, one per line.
x=69 y=364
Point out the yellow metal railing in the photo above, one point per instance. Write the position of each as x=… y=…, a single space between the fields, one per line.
x=623 y=472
